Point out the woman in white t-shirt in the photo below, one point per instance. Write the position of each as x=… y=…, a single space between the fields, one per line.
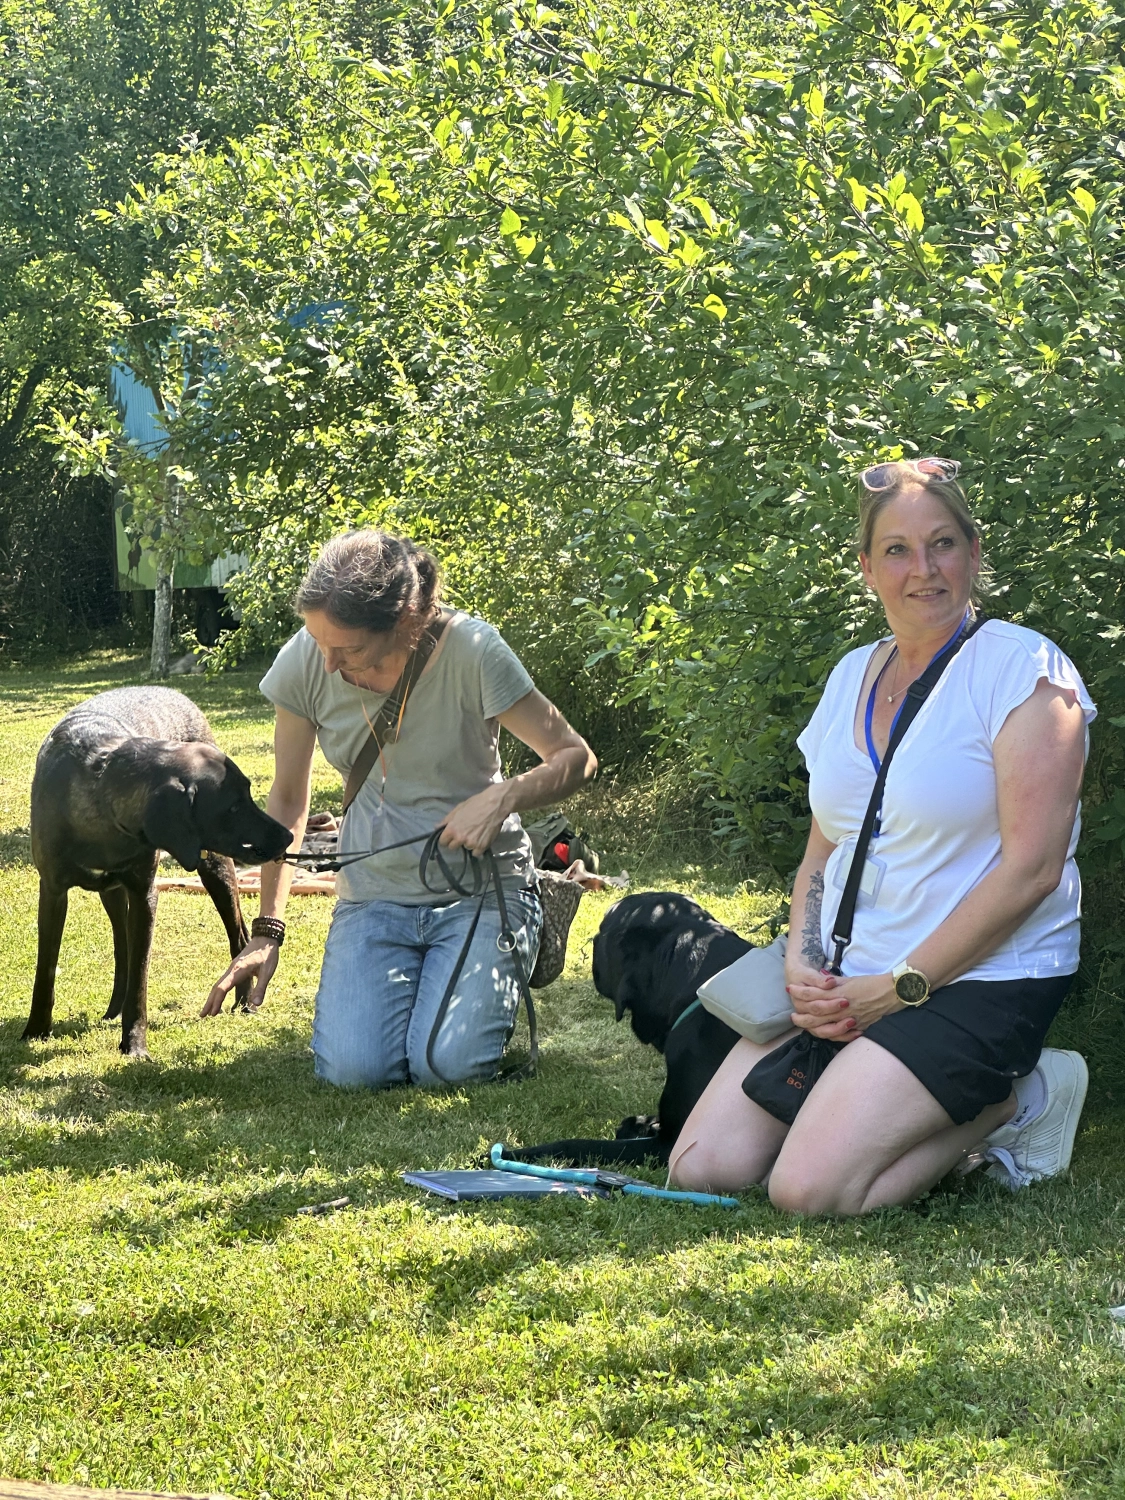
x=417 y=985
x=965 y=938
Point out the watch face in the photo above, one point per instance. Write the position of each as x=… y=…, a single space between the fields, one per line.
x=911 y=987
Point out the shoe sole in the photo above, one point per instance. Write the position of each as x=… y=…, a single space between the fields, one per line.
x=1080 y=1083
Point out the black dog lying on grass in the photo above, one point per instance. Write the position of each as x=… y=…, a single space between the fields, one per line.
x=121 y=777
x=651 y=954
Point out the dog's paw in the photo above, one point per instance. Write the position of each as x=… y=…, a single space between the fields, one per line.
x=134 y=1046
x=638 y=1127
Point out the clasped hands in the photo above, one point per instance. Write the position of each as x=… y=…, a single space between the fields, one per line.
x=835 y=1008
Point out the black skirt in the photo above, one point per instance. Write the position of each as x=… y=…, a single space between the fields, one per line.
x=966 y=1045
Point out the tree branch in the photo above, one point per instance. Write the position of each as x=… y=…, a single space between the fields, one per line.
x=576 y=62
x=10 y=429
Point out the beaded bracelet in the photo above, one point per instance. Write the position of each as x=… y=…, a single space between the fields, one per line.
x=268 y=927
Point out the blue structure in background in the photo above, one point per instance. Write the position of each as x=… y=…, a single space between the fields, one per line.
x=138 y=409
x=317 y=313
x=141 y=419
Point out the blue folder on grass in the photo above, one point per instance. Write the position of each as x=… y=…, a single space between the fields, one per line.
x=462 y=1187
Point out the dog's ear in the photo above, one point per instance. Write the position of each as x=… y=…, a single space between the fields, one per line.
x=169 y=823
x=608 y=978
x=629 y=997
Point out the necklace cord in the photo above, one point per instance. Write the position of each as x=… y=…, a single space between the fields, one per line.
x=894 y=656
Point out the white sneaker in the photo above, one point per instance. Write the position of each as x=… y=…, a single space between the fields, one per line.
x=1042 y=1147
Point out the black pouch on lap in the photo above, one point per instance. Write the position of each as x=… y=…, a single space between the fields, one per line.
x=780 y=1083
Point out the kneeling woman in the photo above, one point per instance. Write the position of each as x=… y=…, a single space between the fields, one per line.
x=369 y=602
x=966 y=939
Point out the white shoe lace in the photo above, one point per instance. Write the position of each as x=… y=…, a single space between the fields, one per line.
x=1002 y=1158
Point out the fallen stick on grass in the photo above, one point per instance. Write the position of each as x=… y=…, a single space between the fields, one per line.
x=18 y=1489
x=251 y=880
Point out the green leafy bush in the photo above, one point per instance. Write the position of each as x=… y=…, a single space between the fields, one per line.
x=620 y=304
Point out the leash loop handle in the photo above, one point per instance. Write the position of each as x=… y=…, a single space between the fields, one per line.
x=506 y=942
x=433 y=852
x=531 y=1067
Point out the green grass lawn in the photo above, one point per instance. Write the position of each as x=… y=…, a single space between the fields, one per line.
x=168 y=1322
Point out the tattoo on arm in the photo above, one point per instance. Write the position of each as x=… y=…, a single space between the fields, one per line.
x=812 y=948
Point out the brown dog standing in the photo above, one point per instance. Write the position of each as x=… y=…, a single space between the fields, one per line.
x=121 y=777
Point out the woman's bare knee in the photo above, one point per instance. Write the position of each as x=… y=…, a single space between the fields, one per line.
x=799 y=1189
x=701 y=1166
x=676 y=1170
x=690 y=1167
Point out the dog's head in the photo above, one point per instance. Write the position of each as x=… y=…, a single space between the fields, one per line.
x=642 y=959
x=203 y=801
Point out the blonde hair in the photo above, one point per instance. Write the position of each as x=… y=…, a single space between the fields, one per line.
x=902 y=475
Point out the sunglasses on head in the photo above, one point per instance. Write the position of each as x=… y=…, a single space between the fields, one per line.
x=883 y=476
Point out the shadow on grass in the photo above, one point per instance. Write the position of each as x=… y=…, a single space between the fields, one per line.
x=1093 y=1028
x=24 y=692
x=825 y=1337
x=168 y=1326
x=946 y=1392
x=266 y=1101
x=15 y=847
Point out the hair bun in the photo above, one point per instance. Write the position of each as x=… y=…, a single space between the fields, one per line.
x=368 y=580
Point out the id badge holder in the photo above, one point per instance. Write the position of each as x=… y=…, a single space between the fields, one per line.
x=871 y=881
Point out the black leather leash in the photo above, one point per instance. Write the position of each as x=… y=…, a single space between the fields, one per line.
x=469 y=882
x=319 y=863
x=916 y=694
x=505 y=942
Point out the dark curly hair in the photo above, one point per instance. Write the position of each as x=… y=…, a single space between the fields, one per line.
x=368 y=580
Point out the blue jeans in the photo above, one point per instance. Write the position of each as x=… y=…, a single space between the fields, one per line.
x=385 y=971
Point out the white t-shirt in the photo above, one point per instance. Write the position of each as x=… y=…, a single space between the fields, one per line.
x=940 y=831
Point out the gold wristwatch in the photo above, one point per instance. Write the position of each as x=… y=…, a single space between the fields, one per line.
x=911 y=985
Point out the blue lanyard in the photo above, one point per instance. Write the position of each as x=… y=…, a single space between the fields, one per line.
x=875 y=761
x=870 y=714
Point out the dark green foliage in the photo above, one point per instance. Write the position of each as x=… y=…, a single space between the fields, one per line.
x=91 y=92
x=57 y=578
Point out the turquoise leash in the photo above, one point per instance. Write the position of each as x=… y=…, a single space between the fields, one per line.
x=592 y=1177
x=683 y=1015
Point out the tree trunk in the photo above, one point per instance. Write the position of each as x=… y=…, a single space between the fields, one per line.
x=164 y=555
x=162 y=619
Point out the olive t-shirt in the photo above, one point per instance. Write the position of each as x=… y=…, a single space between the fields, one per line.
x=446 y=751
